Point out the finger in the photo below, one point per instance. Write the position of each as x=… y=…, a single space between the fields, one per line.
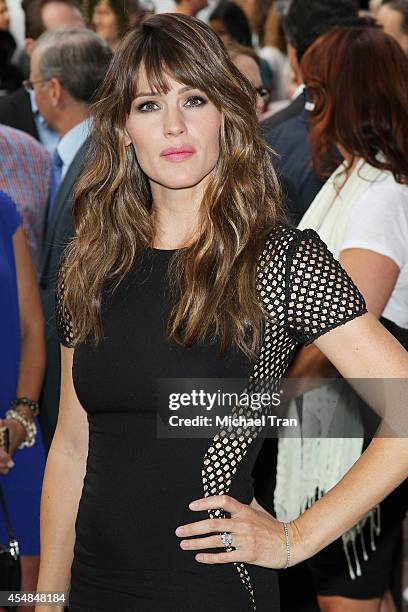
x=214 y=502
x=206 y=526
x=4 y=471
x=213 y=558
x=210 y=542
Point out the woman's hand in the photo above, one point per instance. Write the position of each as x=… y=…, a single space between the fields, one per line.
x=258 y=538
x=17 y=436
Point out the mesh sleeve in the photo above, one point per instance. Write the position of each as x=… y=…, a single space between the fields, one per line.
x=320 y=295
x=62 y=316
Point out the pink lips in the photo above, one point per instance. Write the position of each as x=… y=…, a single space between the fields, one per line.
x=177 y=153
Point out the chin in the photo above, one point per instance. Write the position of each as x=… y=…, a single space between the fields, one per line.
x=182 y=182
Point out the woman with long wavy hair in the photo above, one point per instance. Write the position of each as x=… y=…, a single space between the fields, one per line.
x=182 y=268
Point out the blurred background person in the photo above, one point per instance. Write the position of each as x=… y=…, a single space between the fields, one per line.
x=231 y=24
x=137 y=9
x=265 y=20
x=26 y=178
x=274 y=51
x=247 y=62
x=362 y=214
x=71 y=63
x=22 y=361
x=109 y=19
x=19 y=109
x=189 y=7
x=393 y=16
x=16 y=27
x=303 y=24
x=10 y=75
x=287 y=131
x=4 y=16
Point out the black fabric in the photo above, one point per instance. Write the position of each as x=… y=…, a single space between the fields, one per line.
x=59 y=230
x=10 y=566
x=290 y=140
x=137 y=486
x=292 y=110
x=330 y=573
x=16 y=112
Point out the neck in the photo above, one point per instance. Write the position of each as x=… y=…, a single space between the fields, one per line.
x=69 y=120
x=176 y=214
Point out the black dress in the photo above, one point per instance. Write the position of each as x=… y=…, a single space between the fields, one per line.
x=137 y=486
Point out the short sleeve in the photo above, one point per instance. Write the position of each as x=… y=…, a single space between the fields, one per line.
x=320 y=295
x=10 y=218
x=62 y=316
x=379 y=222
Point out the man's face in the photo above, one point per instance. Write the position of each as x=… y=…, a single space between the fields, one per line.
x=56 y=15
x=41 y=90
x=391 y=21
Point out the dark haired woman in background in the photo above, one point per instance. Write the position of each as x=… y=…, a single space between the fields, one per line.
x=180 y=268
x=109 y=19
x=362 y=215
x=231 y=24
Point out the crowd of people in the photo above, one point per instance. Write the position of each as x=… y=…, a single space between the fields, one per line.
x=153 y=166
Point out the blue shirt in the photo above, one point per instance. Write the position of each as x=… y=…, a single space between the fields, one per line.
x=71 y=142
x=47 y=136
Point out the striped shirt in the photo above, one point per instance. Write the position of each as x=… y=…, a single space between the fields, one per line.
x=25 y=176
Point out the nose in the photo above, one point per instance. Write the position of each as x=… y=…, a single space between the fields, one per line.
x=174 y=122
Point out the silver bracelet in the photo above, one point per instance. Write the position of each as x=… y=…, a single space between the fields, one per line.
x=28 y=424
x=286 y=532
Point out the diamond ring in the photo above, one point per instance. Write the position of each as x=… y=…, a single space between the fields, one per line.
x=226 y=539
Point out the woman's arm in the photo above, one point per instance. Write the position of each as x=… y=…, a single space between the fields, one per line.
x=375 y=275
x=32 y=361
x=32 y=354
x=62 y=487
x=362 y=348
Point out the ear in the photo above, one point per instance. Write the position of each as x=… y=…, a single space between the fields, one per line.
x=127 y=138
x=56 y=92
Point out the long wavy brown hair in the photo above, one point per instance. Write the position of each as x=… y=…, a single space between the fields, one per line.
x=214 y=279
x=357 y=78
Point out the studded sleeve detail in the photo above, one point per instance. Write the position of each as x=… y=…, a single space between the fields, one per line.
x=63 y=317
x=320 y=295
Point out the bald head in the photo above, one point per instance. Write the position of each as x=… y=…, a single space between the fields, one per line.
x=56 y=15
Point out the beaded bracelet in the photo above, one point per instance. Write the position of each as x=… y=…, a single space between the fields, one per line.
x=286 y=531
x=26 y=401
x=28 y=424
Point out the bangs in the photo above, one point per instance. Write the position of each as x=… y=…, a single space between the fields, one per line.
x=161 y=57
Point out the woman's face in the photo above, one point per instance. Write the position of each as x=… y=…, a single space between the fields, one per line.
x=4 y=16
x=105 y=22
x=175 y=135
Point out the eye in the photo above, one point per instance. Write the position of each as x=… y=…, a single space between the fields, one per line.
x=195 y=101
x=147 y=107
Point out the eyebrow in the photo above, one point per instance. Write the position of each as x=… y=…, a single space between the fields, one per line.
x=149 y=94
